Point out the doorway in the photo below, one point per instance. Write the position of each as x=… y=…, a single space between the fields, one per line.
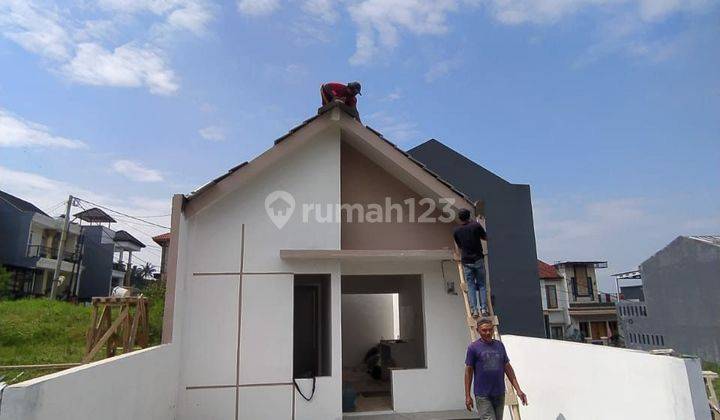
x=382 y=331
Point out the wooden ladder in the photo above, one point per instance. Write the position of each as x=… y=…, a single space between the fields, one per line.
x=511 y=399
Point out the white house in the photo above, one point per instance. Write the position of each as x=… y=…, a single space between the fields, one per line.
x=272 y=305
x=554 y=294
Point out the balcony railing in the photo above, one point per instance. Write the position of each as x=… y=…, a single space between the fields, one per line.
x=52 y=253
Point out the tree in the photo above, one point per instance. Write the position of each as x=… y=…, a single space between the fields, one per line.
x=148 y=270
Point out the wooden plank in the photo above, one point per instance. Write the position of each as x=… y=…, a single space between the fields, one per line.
x=47 y=366
x=106 y=336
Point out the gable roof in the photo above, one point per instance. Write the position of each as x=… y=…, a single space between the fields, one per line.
x=324 y=113
x=162 y=239
x=94 y=215
x=711 y=239
x=20 y=204
x=124 y=236
x=547 y=271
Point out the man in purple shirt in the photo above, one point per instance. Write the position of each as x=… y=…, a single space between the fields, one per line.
x=486 y=365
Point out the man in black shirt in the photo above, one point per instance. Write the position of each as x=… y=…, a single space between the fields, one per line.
x=468 y=238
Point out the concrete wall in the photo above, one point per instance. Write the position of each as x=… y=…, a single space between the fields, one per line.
x=682 y=294
x=97 y=263
x=565 y=380
x=139 y=385
x=366 y=319
x=365 y=182
x=511 y=251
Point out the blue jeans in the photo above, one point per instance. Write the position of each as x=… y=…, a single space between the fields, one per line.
x=475 y=277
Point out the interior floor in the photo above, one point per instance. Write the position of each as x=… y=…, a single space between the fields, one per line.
x=370 y=394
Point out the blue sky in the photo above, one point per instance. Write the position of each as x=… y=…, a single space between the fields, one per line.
x=609 y=109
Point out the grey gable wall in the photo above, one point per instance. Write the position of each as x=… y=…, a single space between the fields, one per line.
x=682 y=293
x=512 y=257
x=14 y=233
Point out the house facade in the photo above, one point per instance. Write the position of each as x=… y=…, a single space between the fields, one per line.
x=30 y=245
x=681 y=307
x=592 y=314
x=280 y=311
x=556 y=307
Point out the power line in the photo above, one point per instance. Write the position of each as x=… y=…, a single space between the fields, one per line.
x=124 y=214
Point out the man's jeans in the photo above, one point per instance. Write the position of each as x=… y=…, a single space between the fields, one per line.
x=490 y=408
x=475 y=277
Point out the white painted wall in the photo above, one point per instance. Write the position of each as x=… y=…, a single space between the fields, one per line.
x=366 y=319
x=565 y=380
x=138 y=385
x=206 y=307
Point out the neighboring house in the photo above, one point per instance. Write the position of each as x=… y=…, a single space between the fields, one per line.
x=681 y=310
x=103 y=254
x=29 y=246
x=164 y=242
x=592 y=314
x=263 y=322
x=511 y=253
x=632 y=293
x=553 y=291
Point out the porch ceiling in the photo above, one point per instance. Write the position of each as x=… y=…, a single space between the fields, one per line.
x=367 y=255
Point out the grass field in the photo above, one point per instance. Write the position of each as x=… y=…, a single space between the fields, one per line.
x=715 y=367
x=41 y=331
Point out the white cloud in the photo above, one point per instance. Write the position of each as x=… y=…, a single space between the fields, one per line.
x=79 y=48
x=380 y=23
x=396 y=129
x=258 y=7
x=36 y=29
x=392 y=96
x=323 y=9
x=17 y=132
x=441 y=69
x=127 y=66
x=212 y=133
x=46 y=192
x=136 y=172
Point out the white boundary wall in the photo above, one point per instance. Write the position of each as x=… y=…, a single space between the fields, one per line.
x=565 y=380
x=138 y=385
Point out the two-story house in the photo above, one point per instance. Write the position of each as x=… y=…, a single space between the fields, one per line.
x=29 y=245
x=553 y=291
x=591 y=315
x=107 y=254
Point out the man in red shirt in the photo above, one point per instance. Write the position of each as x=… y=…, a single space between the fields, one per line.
x=334 y=91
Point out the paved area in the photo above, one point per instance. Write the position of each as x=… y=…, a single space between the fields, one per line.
x=435 y=415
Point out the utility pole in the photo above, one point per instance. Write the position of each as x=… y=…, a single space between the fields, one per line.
x=61 y=248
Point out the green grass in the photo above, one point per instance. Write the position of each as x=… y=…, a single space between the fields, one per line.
x=715 y=367
x=41 y=331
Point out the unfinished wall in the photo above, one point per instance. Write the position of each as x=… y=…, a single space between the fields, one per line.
x=365 y=320
x=364 y=182
x=138 y=385
x=439 y=385
x=410 y=301
x=565 y=380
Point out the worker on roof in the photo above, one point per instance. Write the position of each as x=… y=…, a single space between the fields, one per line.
x=334 y=91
